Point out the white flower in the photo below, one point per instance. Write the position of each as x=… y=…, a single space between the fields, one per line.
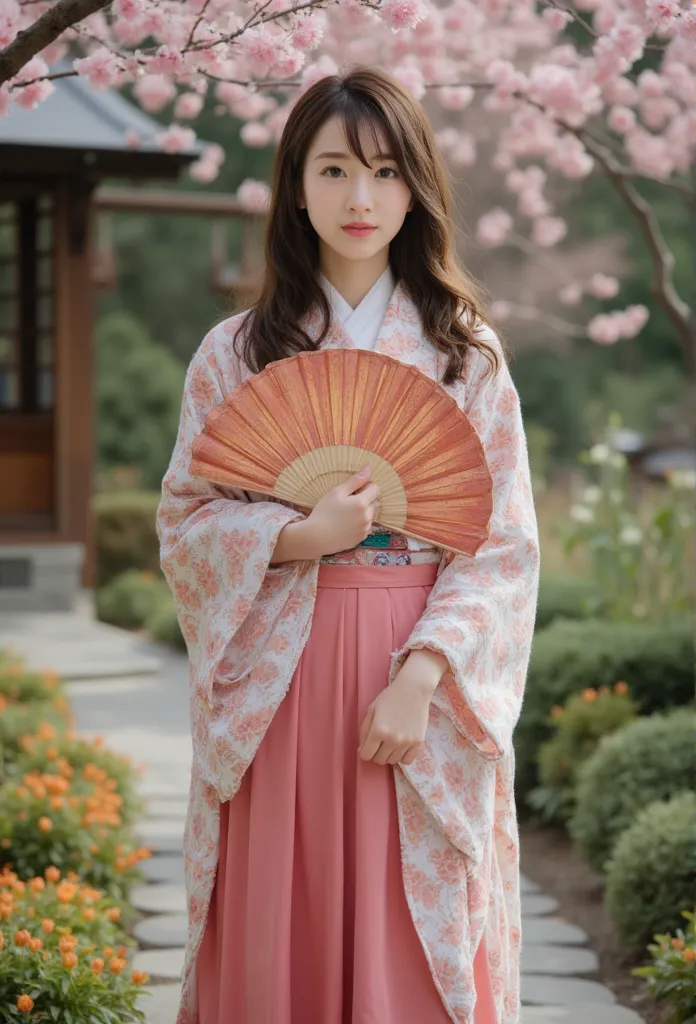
x=592 y=494
x=617 y=460
x=600 y=453
x=615 y=496
x=683 y=479
x=631 y=535
x=582 y=514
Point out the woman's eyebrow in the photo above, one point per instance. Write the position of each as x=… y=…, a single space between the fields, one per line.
x=346 y=156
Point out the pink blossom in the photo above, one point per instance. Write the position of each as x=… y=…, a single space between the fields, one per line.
x=255 y=135
x=101 y=69
x=187 y=106
x=204 y=171
x=167 y=61
x=132 y=139
x=548 y=231
x=493 y=227
x=127 y=10
x=322 y=68
x=651 y=85
x=531 y=202
x=500 y=310
x=570 y=294
x=570 y=157
x=563 y=94
x=464 y=152
x=662 y=12
x=259 y=48
x=555 y=19
x=649 y=154
x=402 y=14
x=621 y=91
x=154 y=92
x=656 y=113
x=309 y=32
x=633 y=320
x=10 y=21
x=230 y=92
x=4 y=100
x=621 y=119
x=455 y=97
x=288 y=62
x=30 y=96
x=603 y=287
x=176 y=139
x=412 y=79
x=604 y=329
x=687 y=26
x=254 y=195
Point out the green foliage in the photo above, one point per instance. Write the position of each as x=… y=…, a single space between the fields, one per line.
x=671 y=977
x=657 y=662
x=651 y=759
x=164 y=624
x=19 y=722
x=579 y=726
x=650 y=876
x=640 y=557
x=18 y=684
x=564 y=597
x=139 y=388
x=125 y=533
x=130 y=599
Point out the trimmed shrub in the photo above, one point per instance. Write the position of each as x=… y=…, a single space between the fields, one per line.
x=124 y=533
x=21 y=724
x=651 y=759
x=657 y=662
x=129 y=600
x=564 y=597
x=580 y=725
x=650 y=876
x=164 y=625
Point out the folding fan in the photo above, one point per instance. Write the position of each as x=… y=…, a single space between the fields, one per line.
x=308 y=422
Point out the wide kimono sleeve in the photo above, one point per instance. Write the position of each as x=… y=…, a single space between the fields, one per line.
x=240 y=618
x=481 y=610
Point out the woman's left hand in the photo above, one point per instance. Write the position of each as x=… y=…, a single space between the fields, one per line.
x=395 y=724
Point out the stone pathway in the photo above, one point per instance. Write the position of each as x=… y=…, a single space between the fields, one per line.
x=146 y=716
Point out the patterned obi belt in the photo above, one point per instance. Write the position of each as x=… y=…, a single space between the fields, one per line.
x=382 y=548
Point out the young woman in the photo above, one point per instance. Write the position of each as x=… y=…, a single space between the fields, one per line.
x=351 y=842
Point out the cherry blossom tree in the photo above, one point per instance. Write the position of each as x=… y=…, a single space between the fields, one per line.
x=572 y=88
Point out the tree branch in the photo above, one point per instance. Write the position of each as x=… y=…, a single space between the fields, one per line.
x=45 y=30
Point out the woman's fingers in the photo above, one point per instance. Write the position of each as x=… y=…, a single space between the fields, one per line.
x=410 y=755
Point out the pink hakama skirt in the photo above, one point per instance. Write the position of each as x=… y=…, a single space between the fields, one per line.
x=308 y=922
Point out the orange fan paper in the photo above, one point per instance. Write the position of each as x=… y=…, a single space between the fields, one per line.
x=307 y=423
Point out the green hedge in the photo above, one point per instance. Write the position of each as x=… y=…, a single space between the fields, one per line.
x=651 y=759
x=650 y=877
x=164 y=625
x=657 y=662
x=125 y=534
x=563 y=597
x=130 y=599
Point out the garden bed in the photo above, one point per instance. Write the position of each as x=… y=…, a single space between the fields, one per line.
x=549 y=860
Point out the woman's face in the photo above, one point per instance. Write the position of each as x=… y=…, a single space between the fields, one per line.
x=339 y=191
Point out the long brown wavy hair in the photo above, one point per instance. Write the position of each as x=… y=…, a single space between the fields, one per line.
x=422 y=255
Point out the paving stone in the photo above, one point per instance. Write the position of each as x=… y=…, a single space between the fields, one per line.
x=559 y=960
x=162 y=1006
x=159 y=899
x=552 y=931
x=167 y=964
x=541 y=990
x=162 y=932
x=538 y=904
x=173 y=807
x=166 y=835
x=164 y=869
x=582 y=1013
x=528 y=886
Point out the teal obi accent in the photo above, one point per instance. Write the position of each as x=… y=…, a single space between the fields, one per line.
x=376 y=540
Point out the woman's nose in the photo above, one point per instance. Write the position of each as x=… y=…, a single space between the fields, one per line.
x=360 y=195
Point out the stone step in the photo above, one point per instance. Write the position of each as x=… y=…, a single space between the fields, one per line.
x=159 y=899
x=164 y=931
x=552 y=931
x=558 y=960
x=164 y=868
x=543 y=990
x=165 y=835
x=161 y=1005
x=161 y=964
x=166 y=807
x=538 y=904
x=582 y=1013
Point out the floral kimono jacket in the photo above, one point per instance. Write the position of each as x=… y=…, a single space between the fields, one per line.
x=245 y=626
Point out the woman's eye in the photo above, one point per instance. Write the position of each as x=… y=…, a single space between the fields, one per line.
x=328 y=169
x=390 y=170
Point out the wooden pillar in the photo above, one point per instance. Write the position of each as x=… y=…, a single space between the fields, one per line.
x=74 y=367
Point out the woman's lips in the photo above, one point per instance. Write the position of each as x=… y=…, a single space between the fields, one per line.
x=359 y=232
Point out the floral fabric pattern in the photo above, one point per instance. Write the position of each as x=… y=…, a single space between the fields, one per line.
x=246 y=625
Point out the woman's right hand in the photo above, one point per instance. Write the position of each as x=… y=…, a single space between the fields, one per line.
x=343 y=518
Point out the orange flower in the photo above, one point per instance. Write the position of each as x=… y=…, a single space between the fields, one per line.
x=108 y=951
x=48 y=925
x=52 y=753
x=66 y=892
x=57 y=803
x=37 y=884
x=556 y=711
x=67 y=944
x=689 y=955
x=35 y=945
x=113 y=913
x=678 y=943
x=22 y=938
x=116 y=965
x=97 y=965
x=589 y=695
x=88 y=913
x=25 y=1004
x=621 y=688
x=72 y=876
x=52 y=873
x=139 y=977
x=122 y=952
x=69 y=960
x=45 y=824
